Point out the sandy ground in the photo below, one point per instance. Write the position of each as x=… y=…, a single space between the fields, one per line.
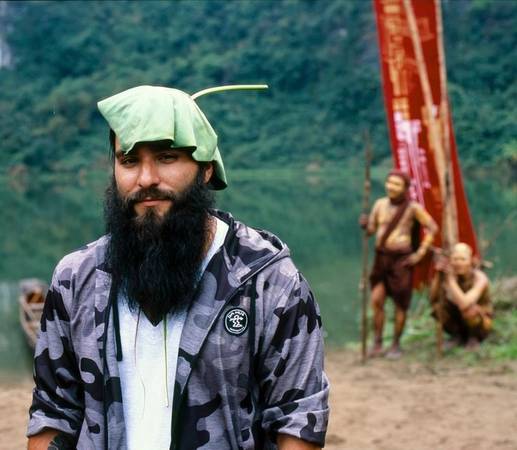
x=394 y=405
x=383 y=405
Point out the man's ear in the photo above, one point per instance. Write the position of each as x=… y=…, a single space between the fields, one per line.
x=209 y=171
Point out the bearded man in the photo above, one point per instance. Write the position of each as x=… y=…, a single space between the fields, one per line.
x=182 y=328
x=462 y=303
x=392 y=220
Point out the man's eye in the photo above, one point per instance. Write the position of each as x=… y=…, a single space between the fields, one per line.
x=127 y=161
x=168 y=157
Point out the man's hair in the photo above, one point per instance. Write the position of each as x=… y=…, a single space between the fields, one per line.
x=399 y=173
x=112 y=138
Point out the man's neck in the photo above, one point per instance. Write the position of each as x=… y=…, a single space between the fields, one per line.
x=398 y=200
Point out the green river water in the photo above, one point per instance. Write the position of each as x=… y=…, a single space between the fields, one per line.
x=315 y=212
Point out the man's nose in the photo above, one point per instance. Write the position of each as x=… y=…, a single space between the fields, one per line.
x=148 y=175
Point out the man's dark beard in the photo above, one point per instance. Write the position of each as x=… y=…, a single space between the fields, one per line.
x=155 y=261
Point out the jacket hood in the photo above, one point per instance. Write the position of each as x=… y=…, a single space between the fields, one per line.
x=248 y=250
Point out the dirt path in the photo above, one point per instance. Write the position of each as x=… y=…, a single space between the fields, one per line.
x=381 y=406
x=14 y=403
x=389 y=405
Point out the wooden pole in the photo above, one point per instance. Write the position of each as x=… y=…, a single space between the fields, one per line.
x=447 y=223
x=439 y=140
x=450 y=213
x=439 y=315
x=363 y=286
x=429 y=116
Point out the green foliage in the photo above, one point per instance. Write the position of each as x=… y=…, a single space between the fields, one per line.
x=481 y=39
x=319 y=57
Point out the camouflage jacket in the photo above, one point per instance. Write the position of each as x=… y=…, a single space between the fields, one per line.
x=250 y=362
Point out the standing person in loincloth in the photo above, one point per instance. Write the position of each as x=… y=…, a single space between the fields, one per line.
x=466 y=311
x=392 y=220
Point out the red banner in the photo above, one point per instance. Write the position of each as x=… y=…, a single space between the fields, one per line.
x=418 y=115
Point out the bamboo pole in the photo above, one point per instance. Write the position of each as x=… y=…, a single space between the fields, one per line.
x=363 y=286
x=450 y=207
x=439 y=140
x=450 y=212
x=429 y=116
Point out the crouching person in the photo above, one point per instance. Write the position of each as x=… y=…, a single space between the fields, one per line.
x=462 y=303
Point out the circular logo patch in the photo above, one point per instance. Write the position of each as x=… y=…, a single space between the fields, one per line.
x=236 y=321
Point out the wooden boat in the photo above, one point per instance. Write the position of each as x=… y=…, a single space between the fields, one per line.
x=31 y=300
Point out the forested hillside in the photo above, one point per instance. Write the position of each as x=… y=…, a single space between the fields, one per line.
x=320 y=59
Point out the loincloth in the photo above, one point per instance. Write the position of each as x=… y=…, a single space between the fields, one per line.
x=477 y=323
x=388 y=269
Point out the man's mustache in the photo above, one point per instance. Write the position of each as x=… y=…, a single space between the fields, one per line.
x=151 y=193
